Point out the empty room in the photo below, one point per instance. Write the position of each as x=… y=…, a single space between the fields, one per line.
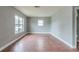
x=39 y=29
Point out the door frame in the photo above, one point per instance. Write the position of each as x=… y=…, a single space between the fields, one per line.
x=75 y=8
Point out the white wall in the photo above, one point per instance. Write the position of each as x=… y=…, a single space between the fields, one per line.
x=7 y=24
x=33 y=24
x=61 y=25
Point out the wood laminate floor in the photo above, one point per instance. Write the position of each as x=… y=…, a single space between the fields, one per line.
x=39 y=43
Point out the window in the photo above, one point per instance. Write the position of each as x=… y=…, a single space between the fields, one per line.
x=19 y=24
x=40 y=23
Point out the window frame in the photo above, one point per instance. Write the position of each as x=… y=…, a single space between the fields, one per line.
x=40 y=22
x=19 y=25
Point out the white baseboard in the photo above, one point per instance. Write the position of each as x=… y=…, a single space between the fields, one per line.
x=62 y=40
x=54 y=36
x=5 y=46
x=39 y=32
x=35 y=33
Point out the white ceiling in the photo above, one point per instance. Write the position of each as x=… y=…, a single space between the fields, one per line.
x=42 y=11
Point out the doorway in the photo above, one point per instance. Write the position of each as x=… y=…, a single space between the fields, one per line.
x=76 y=27
x=77 y=17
